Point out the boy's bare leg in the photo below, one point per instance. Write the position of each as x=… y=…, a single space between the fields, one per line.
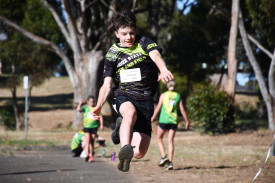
x=129 y=116
x=141 y=143
x=128 y=139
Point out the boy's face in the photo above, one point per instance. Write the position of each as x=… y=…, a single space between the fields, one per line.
x=91 y=102
x=126 y=36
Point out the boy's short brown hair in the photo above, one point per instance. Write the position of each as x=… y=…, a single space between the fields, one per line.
x=124 y=19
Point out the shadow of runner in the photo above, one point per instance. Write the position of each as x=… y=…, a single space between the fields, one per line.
x=42 y=171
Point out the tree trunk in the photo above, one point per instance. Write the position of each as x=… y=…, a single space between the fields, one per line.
x=232 y=62
x=271 y=83
x=86 y=84
x=258 y=73
x=19 y=122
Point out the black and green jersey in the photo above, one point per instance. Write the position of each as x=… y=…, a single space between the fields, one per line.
x=133 y=71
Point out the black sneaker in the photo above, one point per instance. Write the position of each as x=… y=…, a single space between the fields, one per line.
x=169 y=166
x=163 y=161
x=87 y=158
x=115 y=134
x=125 y=156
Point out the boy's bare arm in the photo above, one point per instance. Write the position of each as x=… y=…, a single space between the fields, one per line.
x=165 y=75
x=104 y=93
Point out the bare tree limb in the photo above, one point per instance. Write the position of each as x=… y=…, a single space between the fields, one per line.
x=41 y=41
x=102 y=37
x=271 y=76
x=58 y=20
x=110 y=7
x=90 y=4
x=73 y=27
x=257 y=71
x=224 y=12
x=268 y=53
x=134 y=4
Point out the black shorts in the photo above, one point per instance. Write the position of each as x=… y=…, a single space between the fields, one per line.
x=168 y=126
x=145 y=110
x=77 y=151
x=90 y=130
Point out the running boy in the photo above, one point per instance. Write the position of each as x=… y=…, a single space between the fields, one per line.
x=90 y=125
x=168 y=121
x=133 y=64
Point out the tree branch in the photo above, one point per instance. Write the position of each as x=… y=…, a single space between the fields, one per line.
x=58 y=20
x=90 y=4
x=42 y=41
x=72 y=27
x=225 y=13
x=253 y=61
x=271 y=76
x=110 y=7
x=260 y=46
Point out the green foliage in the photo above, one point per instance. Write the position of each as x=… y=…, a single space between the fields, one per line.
x=262 y=14
x=211 y=109
x=19 y=55
x=196 y=38
x=7 y=118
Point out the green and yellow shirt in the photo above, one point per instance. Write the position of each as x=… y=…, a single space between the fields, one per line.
x=88 y=121
x=76 y=141
x=169 y=108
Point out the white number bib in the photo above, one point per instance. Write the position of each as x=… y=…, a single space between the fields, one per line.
x=90 y=116
x=171 y=102
x=130 y=75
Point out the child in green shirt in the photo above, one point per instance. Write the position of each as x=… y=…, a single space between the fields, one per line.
x=90 y=126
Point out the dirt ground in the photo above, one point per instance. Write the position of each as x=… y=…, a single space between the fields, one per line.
x=231 y=158
x=234 y=157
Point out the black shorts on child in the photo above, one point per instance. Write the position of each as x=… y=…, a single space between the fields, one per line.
x=90 y=130
x=145 y=110
x=168 y=126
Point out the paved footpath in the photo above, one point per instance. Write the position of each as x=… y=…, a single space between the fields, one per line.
x=55 y=166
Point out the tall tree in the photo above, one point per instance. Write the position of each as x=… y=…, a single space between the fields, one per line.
x=19 y=56
x=196 y=38
x=232 y=61
x=85 y=26
x=267 y=89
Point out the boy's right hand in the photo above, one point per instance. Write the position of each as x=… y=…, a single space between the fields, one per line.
x=165 y=76
x=96 y=113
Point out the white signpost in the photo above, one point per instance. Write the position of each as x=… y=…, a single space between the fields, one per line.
x=26 y=78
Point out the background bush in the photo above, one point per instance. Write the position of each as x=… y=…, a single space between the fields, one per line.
x=7 y=118
x=211 y=110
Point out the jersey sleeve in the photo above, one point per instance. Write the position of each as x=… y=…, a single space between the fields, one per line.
x=109 y=65
x=149 y=45
x=83 y=108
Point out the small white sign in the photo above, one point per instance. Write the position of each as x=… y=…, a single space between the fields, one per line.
x=130 y=75
x=26 y=79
